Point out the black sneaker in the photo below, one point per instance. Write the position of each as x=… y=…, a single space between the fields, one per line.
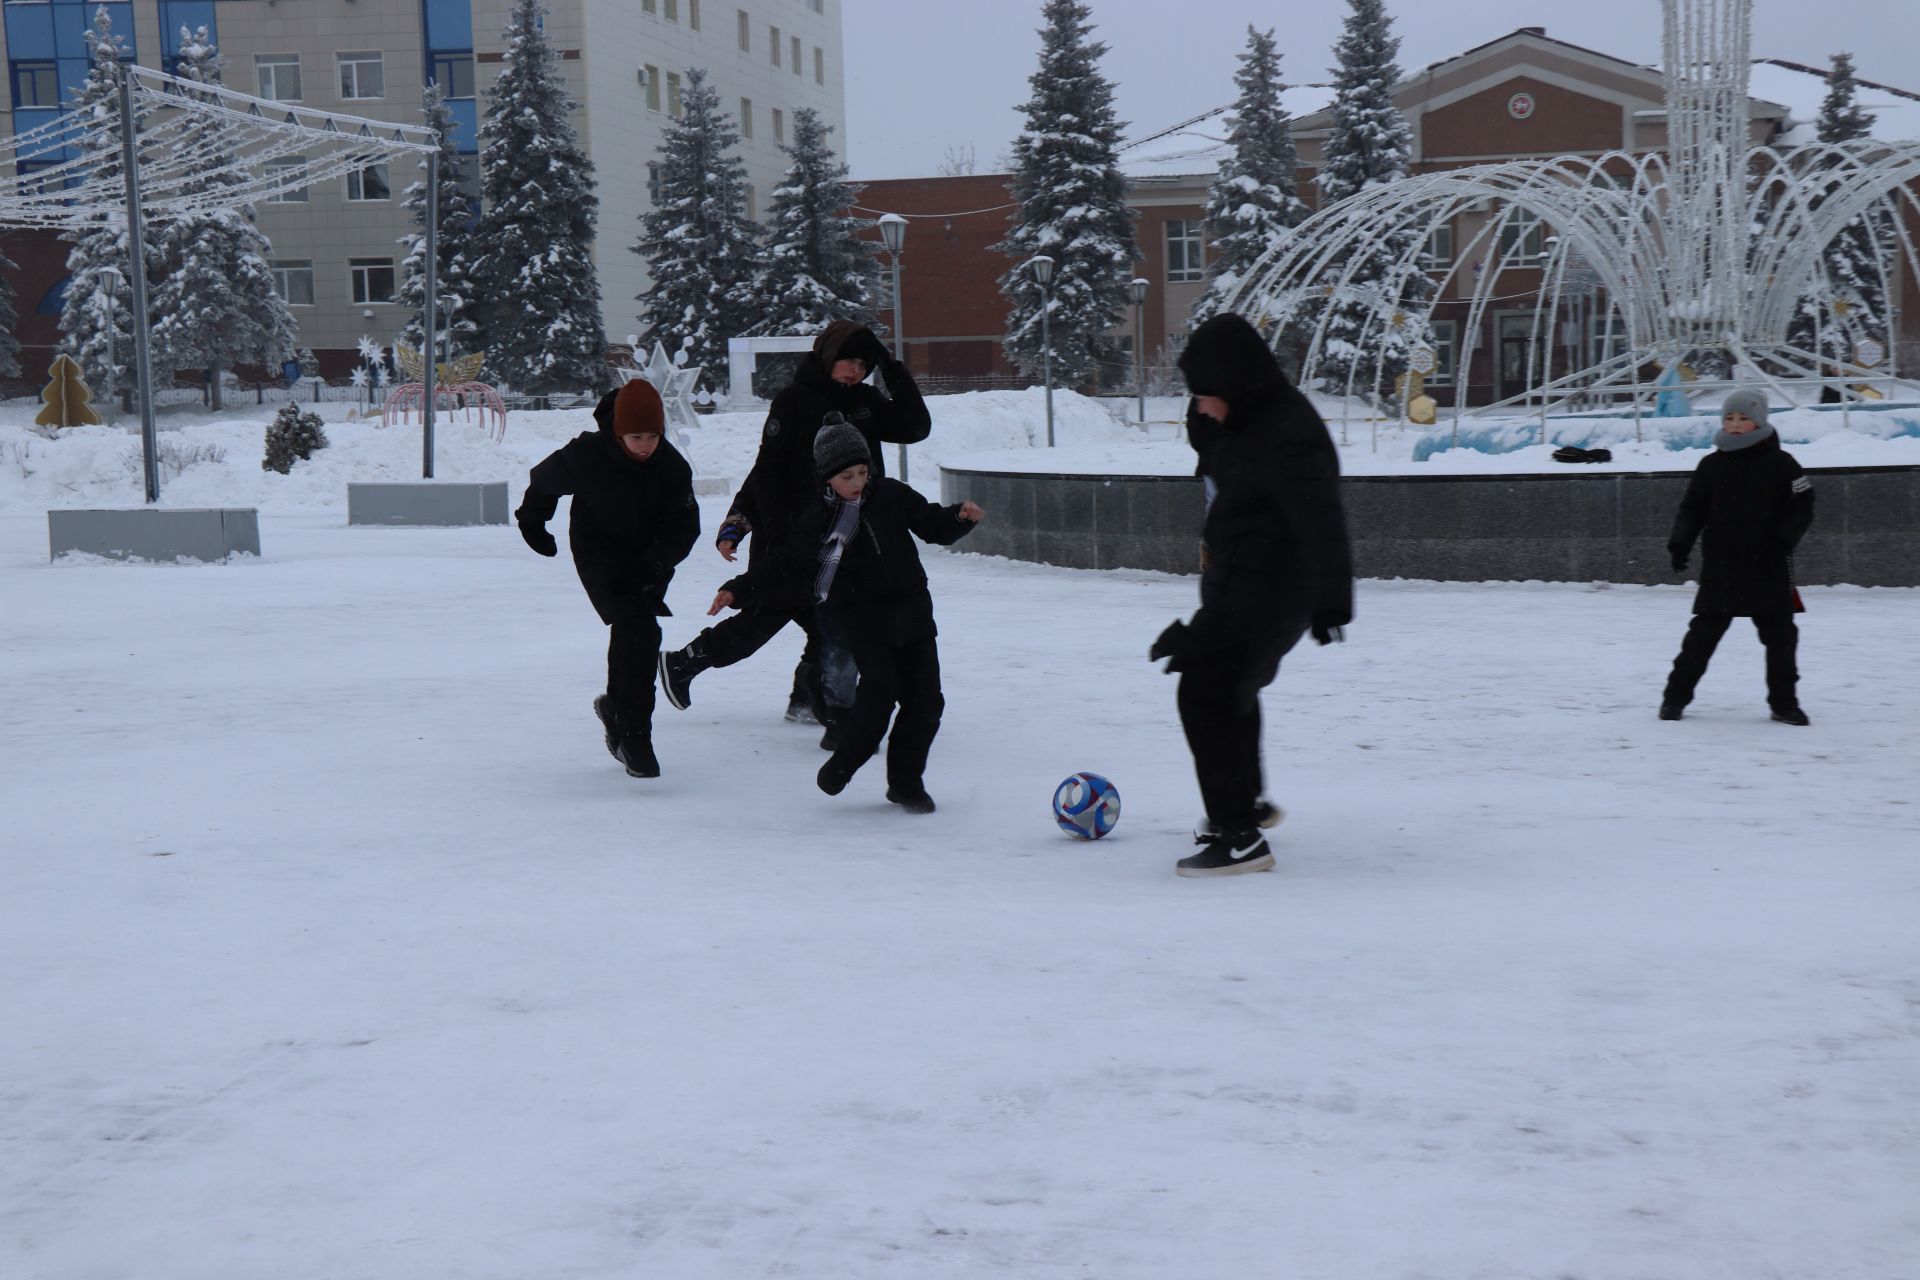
x=604 y=709
x=1791 y=715
x=800 y=711
x=1265 y=814
x=637 y=755
x=1231 y=853
x=677 y=671
x=833 y=779
x=1672 y=710
x=912 y=799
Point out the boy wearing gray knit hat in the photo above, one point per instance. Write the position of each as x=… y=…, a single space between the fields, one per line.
x=1749 y=503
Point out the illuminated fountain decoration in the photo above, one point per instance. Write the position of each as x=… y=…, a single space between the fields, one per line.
x=456 y=388
x=1701 y=255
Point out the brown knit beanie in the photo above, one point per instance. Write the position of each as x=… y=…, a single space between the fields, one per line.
x=637 y=410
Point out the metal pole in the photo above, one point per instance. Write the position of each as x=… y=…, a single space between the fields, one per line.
x=1046 y=353
x=137 y=271
x=429 y=314
x=1140 y=356
x=899 y=344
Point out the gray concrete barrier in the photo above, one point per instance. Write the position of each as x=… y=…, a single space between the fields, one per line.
x=428 y=502
x=164 y=535
x=1608 y=527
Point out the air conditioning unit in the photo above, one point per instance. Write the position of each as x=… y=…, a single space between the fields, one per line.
x=642 y=73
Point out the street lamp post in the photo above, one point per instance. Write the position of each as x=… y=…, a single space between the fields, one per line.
x=893 y=231
x=113 y=278
x=1138 y=288
x=1043 y=273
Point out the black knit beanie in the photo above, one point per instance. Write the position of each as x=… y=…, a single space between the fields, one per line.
x=838 y=445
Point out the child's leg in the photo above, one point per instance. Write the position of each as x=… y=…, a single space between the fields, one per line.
x=1782 y=639
x=873 y=702
x=921 y=705
x=1703 y=636
x=839 y=675
x=1223 y=731
x=633 y=652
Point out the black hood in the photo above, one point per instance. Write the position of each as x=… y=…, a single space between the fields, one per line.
x=1227 y=357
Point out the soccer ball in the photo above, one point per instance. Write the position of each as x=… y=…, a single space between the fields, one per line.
x=1086 y=806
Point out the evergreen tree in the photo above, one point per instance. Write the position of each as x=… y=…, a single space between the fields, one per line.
x=215 y=306
x=9 y=321
x=702 y=253
x=1378 y=318
x=1253 y=202
x=817 y=270
x=455 y=331
x=534 y=267
x=96 y=322
x=1849 y=269
x=1072 y=197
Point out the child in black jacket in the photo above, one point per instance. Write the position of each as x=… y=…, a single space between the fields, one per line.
x=852 y=556
x=634 y=518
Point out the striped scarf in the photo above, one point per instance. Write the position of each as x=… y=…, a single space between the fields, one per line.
x=846 y=523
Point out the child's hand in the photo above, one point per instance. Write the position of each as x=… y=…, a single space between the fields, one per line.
x=971 y=513
x=721 y=600
x=727 y=549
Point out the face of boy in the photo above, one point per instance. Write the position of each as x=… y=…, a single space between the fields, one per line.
x=851 y=483
x=1738 y=424
x=640 y=448
x=1211 y=407
x=849 y=371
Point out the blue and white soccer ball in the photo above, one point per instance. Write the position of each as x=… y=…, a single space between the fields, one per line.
x=1086 y=806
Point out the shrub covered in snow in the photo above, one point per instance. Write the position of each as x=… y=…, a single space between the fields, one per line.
x=292 y=437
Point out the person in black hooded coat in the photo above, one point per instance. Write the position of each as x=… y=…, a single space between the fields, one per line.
x=633 y=520
x=830 y=381
x=1753 y=502
x=1275 y=565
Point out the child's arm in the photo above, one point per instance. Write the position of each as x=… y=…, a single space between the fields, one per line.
x=780 y=576
x=1799 y=506
x=549 y=480
x=742 y=515
x=1687 y=525
x=678 y=533
x=934 y=523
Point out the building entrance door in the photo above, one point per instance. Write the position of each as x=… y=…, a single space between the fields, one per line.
x=1516 y=366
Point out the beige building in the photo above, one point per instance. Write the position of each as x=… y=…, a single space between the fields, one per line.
x=335 y=246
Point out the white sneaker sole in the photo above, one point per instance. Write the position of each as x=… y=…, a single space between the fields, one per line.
x=1262 y=863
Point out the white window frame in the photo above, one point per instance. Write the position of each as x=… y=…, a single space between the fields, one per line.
x=349 y=65
x=266 y=75
x=360 y=273
x=1439 y=249
x=1446 y=352
x=283 y=273
x=1526 y=230
x=793 y=47
x=746 y=119
x=693 y=15
x=297 y=195
x=746 y=31
x=773 y=43
x=779 y=125
x=675 y=107
x=670 y=10
x=1193 y=269
x=356 y=179
x=653 y=87
x=819 y=65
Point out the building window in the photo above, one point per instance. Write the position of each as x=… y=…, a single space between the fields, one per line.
x=818 y=6
x=779 y=125
x=362 y=76
x=773 y=44
x=653 y=87
x=649 y=6
x=673 y=94
x=746 y=32
x=653 y=182
x=819 y=66
x=746 y=118
x=372 y=279
x=293 y=281
x=1446 y=350
x=279 y=75
x=671 y=10
x=753 y=203
x=693 y=15
x=36 y=84
x=288 y=169
x=452 y=70
x=370 y=183
x=1185 y=261
x=795 y=50
x=1523 y=236
x=1439 y=247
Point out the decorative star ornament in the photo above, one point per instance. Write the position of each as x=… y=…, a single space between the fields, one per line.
x=369 y=350
x=675 y=384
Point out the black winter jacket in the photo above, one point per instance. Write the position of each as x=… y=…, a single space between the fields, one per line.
x=880 y=588
x=1275 y=535
x=782 y=484
x=631 y=523
x=1753 y=506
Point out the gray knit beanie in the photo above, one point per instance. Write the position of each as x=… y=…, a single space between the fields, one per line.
x=1748 y=404
x=838 y=445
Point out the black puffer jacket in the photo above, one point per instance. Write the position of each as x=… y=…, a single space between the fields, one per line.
x=1753 y=506
x=1275 y=532
x=631 y=523
x=782 y=484
x=880 y=587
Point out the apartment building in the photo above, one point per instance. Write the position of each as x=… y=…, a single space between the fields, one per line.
x=336 y=254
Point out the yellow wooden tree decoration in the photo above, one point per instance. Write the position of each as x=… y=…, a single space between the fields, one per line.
x=69 y=400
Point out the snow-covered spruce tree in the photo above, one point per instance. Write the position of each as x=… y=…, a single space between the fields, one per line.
x=1253 y=203
x=215 y=306
x=9 y=321
x=292 y=437
x=1851 y=275
x=1072 y=197
x=96 y=325
x=702 y=253
x=540 y=309
x=817 y=270
x=455 y=331
x=1379 y=318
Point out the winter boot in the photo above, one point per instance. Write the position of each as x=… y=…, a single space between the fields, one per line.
x=603 y=707
x=1672 y=710
x=678 y=667
x=637 y=754
x=913 y=798
x=1231 y=853
x=800 y=701
x=1791 y=715
x=1265 y=813
x=833 y=778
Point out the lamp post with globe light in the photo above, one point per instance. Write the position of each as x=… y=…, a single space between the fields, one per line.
x=893 y=232
x=1138 y=290
x=1042 y=267
x=113 y=278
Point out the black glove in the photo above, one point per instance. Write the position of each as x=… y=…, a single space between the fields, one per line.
x=1169 y=643
x=539 y=539
x=1327 y=624
x=1679 y=560
x=865 y=346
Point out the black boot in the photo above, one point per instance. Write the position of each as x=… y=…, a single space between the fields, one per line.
x=1672 y=710
x=603 y=707
x=800 y=701
x=912 y=797
x=637 y=754
x=1230 y=853
x=678 y=667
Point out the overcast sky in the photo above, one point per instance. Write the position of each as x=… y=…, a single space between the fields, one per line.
x=928 y=76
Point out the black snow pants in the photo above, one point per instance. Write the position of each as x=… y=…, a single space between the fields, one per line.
x=906 y=676
x=633 y=653
x=1777 y=632
x=1219 y=701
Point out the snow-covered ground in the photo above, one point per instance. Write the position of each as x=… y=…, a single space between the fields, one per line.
x=336 y=947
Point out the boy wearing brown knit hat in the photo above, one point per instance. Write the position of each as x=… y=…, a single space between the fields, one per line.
x=634 y=518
